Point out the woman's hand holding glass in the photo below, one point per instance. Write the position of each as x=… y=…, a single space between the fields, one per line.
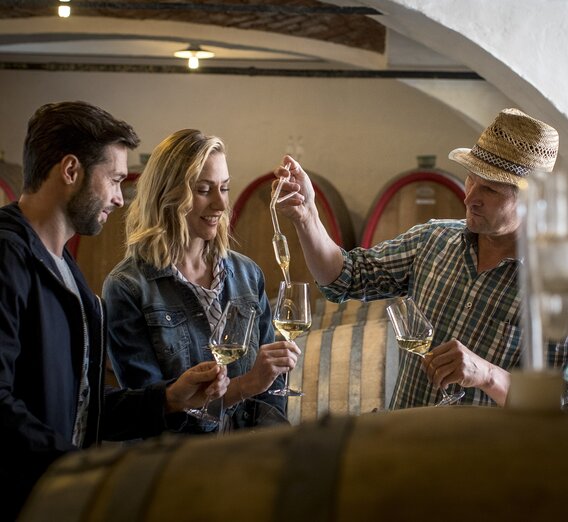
x=271 y=361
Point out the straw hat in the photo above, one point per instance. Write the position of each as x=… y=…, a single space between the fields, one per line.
x=510 y=148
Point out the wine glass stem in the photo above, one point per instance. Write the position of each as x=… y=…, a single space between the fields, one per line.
x=286 y=380
x=444 y=392
x=205 y=406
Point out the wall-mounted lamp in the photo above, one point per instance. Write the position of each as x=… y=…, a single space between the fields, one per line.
x=64 y=10
x=193 y=54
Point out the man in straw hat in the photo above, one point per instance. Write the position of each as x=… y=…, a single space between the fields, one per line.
x=461 y=273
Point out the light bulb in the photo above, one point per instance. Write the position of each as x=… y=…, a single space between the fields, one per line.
x=193 y=62
x=64 y=11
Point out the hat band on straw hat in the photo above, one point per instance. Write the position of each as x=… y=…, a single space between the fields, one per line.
x=496 y=161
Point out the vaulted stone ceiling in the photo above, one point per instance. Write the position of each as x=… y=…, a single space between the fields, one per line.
x=305 y=18
x=254 y=37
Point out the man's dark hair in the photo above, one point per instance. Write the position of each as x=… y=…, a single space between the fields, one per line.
x=78 y=128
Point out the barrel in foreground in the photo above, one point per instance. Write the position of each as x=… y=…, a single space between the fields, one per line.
x=419 y=464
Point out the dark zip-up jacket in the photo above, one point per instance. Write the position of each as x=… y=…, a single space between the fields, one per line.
x=41 y=356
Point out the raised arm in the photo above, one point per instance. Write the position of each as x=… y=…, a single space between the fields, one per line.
x=323 y=256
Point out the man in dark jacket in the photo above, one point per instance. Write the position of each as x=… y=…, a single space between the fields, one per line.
x=52 y=327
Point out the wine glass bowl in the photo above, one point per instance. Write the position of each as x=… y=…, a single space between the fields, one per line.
x=292 y=317
x=414 y=333
x=231 y=336
x=229 y=342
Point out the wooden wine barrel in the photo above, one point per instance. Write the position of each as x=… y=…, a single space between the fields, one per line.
x=428 y=464
x=253 y=231
x=11 y=180
x=413 y=197
x=345 y=369
x=97 y=255
x=326 y=313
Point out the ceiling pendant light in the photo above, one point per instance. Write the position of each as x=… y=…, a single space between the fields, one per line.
x=193 y=54
x=64 y=10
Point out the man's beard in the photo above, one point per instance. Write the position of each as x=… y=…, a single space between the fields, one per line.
x=84 y=209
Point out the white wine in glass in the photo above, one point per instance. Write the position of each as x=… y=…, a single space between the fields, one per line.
x=417 y=346
x=414 y=334
x=228 y=342
x=227 y=353
x=292 y=329
x=292 y=317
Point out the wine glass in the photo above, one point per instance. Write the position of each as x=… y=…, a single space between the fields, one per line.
x=414 y=334
x=228 y=342
x=292 y=317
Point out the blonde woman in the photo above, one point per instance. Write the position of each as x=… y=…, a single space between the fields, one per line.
x=165 y=296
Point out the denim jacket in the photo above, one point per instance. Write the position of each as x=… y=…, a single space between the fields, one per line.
x=158 y=328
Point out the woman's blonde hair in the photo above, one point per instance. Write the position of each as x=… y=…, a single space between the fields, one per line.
x=156 y=224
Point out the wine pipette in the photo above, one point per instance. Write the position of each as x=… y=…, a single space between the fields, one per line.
x=279 y=241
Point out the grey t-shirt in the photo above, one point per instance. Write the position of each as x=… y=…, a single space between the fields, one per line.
x=84 y=391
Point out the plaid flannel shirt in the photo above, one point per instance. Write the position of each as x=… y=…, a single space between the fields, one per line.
x=436 y=264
